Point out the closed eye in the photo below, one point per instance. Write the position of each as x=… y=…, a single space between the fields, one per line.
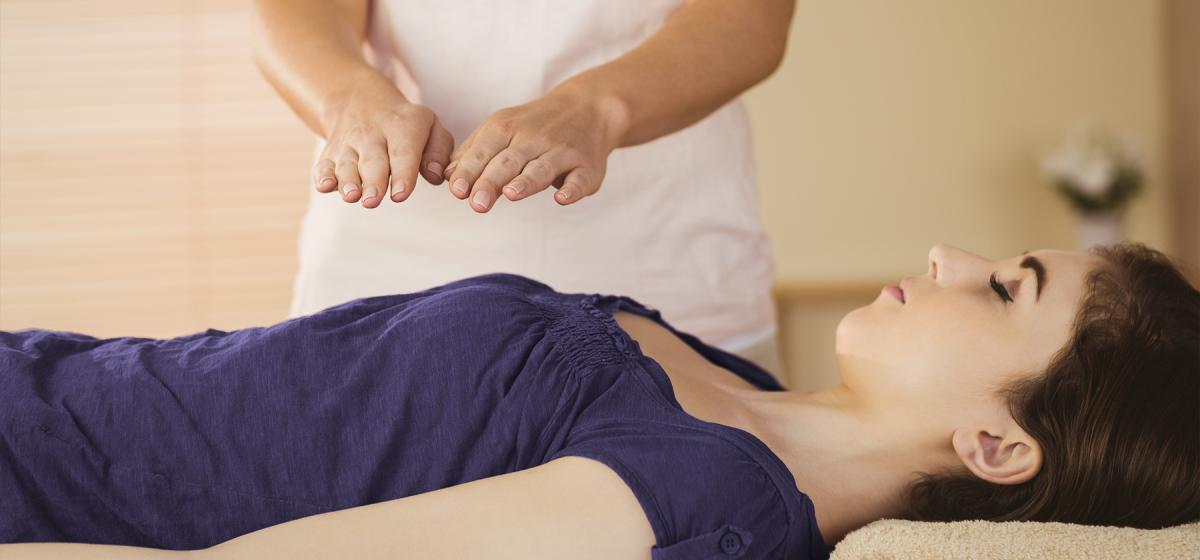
x=1000 y=289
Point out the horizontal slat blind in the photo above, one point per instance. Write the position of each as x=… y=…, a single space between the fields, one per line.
x=151 y=183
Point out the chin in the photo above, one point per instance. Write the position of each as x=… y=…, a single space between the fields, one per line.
x=862 y=329
x=849 y=330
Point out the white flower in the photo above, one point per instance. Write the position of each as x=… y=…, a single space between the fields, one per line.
x=1088 y=164
x=1095 y=176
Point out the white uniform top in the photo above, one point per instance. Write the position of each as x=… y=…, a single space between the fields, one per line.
x=674 y=224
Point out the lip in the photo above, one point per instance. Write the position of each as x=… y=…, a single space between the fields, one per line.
x=895 y=291
x=898 y=290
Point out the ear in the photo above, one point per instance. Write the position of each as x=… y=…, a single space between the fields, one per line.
x=999 y=456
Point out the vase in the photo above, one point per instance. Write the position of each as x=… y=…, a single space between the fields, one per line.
x=1101 y=228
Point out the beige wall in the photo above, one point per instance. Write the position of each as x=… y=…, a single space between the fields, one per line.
x=896 y=125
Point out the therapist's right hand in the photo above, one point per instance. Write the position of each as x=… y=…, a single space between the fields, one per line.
x=374 y=134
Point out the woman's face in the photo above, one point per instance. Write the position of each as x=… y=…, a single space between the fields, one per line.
x=946 y=340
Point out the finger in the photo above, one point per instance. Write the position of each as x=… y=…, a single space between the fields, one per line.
x=404 y=157
x=499 y=171
x=323 y=178
x=473 y=161
x=462 y=148
x=437 y=154
x=373 y=167
x=537 y=175
x=346 y=171
x=457 y=153
x=580 y=182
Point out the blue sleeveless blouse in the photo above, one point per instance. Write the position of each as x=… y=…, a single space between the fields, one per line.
x=186 y=442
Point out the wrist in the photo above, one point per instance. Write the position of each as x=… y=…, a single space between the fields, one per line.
x=353 y=84
x=612 y=111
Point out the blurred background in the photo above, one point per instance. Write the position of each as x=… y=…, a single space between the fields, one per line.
x=152 y=184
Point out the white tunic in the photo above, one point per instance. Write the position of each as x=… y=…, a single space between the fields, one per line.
x=674 y=224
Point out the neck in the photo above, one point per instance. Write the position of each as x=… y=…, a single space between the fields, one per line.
x=848 y=458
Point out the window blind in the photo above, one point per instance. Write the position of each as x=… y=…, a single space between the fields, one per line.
x=151 y=182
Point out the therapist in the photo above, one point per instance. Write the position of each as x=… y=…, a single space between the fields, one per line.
x=628 y=109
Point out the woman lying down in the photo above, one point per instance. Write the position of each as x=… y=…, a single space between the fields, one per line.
x=493 y=417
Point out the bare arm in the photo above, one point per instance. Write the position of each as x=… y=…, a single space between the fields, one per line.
x=704 y=56
x=568 y=508
x=308 y=50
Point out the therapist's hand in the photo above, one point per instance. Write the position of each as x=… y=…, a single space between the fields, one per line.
x=562 y=139
x=375 y=133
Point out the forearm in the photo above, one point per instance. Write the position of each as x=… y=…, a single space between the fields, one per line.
x=705 y=55
x=310 y=51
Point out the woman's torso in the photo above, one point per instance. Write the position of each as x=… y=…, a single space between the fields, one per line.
x=698 y=383
x=185 y=442
x=675 y=222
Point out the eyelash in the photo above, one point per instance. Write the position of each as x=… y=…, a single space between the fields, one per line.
x=1000 y=289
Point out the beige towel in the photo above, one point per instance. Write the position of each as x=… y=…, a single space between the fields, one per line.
x=1015 y=540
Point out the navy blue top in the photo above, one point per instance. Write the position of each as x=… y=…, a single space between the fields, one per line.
x=190 y=441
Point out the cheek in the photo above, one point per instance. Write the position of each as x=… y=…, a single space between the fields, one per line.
x=954 y=359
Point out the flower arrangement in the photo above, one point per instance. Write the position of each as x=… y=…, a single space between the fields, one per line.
x=1094 y=173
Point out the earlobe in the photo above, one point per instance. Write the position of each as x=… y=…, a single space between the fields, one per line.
x=998 y=456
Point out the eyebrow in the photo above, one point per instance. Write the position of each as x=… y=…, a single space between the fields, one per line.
x=1039 y=270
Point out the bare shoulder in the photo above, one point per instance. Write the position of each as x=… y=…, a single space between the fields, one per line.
x=572 y=507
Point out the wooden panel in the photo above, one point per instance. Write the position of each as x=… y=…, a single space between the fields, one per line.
x=795 y=292
x=1182 y=22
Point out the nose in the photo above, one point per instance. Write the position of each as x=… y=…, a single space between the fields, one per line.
x=948 y=263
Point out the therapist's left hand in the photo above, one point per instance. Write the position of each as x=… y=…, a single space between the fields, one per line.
x=562 y=139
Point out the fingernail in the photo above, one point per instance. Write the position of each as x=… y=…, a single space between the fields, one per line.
x=434 y=167
x=369 y=193
x=481 y=199
x=350 y=190
x=328 y=183
x=514 y=189
x=564 y=196
x=460 y=186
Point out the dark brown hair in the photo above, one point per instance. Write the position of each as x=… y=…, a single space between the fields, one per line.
x=1117 y=413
